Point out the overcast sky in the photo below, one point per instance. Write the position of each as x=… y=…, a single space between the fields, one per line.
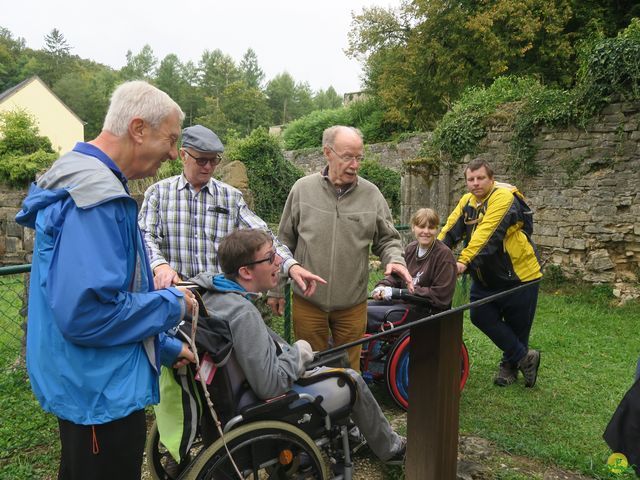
x=307 y=38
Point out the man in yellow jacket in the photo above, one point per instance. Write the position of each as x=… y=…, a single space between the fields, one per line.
x=499 y=254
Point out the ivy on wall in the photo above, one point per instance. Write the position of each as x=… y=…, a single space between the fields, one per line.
x=609 y=69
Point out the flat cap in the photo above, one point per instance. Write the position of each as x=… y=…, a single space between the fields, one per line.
x=201 y=139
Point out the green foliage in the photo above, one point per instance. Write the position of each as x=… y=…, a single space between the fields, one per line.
x=420 y=56
x=23 y=152
x=271 y=176
x=306 y=131
x=610 y=68
x=367 y=115
x=386 y=179
x=460 y=130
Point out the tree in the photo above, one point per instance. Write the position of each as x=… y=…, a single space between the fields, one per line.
x=56 y=44
x=280 y=93
x=11 y=58
x=217 y=70
x=170 y=78
x=420 y=57
x=326 y=99
x=141 y=66
x=87 y=92
x=245 y=107
x=288 y=100
x=214 y=118
x=251 y=71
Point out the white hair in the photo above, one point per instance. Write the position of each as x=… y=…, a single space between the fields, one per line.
x=138 y=99
x=329 y=134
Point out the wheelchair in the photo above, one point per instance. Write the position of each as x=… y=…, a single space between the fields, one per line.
x=293 y=436
x=386 y=360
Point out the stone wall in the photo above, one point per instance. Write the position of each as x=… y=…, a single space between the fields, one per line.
x=16 y=243
x=391 y=155
x=586 y=197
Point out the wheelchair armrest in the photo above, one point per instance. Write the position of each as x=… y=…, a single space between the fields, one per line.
x=270 y=404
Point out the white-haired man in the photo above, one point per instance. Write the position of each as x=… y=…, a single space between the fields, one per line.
x=95 y=332
x=330 y=222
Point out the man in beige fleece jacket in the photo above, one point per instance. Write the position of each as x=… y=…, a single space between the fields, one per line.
x=330 y=221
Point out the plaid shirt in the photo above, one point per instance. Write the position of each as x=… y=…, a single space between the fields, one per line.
x=184 y=228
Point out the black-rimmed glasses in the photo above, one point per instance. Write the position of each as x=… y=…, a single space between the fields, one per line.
x=348 y=158
x=201 y=161
x=271 y=258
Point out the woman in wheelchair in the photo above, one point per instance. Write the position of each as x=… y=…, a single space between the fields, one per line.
x=433 y=269
x=304 y=404
x=430 y=263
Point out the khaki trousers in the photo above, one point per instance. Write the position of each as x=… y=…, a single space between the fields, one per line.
x=314 y=325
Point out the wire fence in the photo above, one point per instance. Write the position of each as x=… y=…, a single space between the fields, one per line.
x=13 y=314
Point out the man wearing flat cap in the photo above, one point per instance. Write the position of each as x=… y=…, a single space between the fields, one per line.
x=184 y=218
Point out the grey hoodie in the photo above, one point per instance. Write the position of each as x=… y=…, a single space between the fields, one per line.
x=270 y=364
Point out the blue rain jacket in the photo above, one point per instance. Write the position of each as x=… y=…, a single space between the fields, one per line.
x=94 y=341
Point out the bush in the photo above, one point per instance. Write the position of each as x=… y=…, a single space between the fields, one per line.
x=307 y=131
x=367 y=115
x=18 y=170
x=23 y=152
x=271 y=176
x=386 y=179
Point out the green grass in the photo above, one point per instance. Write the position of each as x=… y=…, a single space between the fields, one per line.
x=29 y=446
x=589 y=350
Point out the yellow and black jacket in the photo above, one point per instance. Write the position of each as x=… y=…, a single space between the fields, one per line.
x=497 y=231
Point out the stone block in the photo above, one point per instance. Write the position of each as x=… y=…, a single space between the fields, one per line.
x=599 y=260
x=546 y=230
x=13 y=245
x=601 y=212
x=600 y=277
x=575 y=243
x=548 y=241
x=13 y=229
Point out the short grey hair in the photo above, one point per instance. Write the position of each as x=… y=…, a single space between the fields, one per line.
x=329 y=135
x=138 y=99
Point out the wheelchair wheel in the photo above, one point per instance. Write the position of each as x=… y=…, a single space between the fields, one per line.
x=397 y=370
x=261 y=450
x=160 y=463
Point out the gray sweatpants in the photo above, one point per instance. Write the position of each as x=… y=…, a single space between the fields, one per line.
x=366 y=414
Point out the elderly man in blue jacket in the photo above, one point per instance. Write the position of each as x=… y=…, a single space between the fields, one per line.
x=95 y=337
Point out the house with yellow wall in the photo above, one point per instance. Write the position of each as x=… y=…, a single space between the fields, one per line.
x=54 y=119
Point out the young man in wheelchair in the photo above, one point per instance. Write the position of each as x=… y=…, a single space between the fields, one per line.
x=270 y=365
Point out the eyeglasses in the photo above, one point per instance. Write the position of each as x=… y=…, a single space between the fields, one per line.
x=347 y=158
x=271 y=258
x=201 y=161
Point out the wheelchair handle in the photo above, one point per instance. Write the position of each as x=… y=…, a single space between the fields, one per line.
x=404 y=294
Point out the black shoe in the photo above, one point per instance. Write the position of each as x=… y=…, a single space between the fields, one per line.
x=529 y=367
x=507 y=374
x=398 y=457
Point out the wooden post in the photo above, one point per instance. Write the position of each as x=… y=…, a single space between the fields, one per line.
x=434 y=397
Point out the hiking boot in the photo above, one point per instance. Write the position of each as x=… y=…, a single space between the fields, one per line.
x=507 y=374
x=529 y=367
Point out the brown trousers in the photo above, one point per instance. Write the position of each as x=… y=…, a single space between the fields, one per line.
x=314 y=325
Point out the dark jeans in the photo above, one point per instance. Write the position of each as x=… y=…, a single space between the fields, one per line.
x=107 y=451
x=506 y=321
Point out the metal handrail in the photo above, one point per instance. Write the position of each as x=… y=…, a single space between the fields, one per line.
x=14 y=269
